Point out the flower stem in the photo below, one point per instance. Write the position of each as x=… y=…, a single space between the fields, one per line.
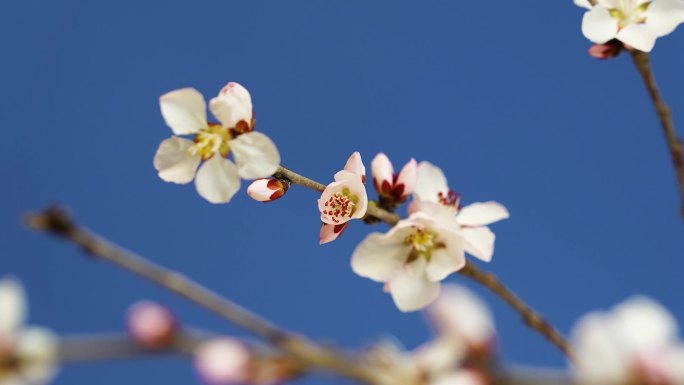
x=674 y=144
x=488 y=280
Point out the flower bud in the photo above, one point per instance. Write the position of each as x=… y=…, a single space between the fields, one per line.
x=151 y=324
x=223 y=361
x=607 y=50
x=267 y=189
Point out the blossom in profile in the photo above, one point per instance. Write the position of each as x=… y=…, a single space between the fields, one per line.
x=223 y=361
x=636 y=342
x=204 y=157
x=411 y=259
x=393 y=188
x=27 y=354
x=433 y=197
x=267 y=189
x=151 y=325
x=343 y=200
x=636 y=23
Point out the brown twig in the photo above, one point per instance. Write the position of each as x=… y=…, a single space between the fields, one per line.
x=532 y=319
x=674 y=144
x=310 y=355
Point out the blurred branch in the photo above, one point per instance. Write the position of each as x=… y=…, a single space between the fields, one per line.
x=674 y=144
x=310 y=355
x=531 y=318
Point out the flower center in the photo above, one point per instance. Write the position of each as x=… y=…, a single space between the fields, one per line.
x=422 y=243
x=628 y=12
x=211 y=140
x=341 y=205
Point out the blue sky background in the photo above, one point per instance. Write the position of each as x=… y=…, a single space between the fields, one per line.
x=501 y=95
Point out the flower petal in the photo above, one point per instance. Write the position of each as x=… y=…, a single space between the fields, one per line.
x=646 y=325
x=448 y=259
x=383 y=174
x=355 y=164
x=598 y=26
x=267 y=189
x=12 y=306
x=37 y=348
x=430 y=182
x=665 y=15
x=408 y=176
x=461 y=377
x=482 y=213
x=217 y=180
x=460 y=315
x=479 y=242
x=583 y=4
x=232 y=105
x=255 y=154
x=330 y=233
x=223 y=361
x=379 y=257
x=411 y=289
x=184 y=111
x=599 y=358
x=174 y=163
x=639 y=36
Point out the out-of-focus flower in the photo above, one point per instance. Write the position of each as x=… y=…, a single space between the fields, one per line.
x=433 y=197
x=637 y=23
x=217 y=179
x=223 y=361
x=412 y=258
x=343 y=200
x=151 y=324
x=267 y=189
x=462 y=319
x=393 y=188
x=635 y=343
x=27 y=354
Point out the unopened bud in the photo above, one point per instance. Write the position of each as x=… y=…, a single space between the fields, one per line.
x=151 y=324
x=607 y=50
x=267 y=189
x=223 y=361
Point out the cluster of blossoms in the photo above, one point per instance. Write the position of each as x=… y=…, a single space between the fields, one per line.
x=217 y=179
x=635 y=23
x=27 y=354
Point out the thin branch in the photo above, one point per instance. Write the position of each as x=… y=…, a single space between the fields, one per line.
x=674 y=144
x=59 y=223
x=531 y=318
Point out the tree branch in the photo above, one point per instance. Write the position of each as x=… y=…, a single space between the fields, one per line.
x=674 y=144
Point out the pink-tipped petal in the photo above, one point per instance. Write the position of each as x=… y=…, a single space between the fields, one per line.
x=383 y=174
x=355 y=165
x=267 y=189
x=223 y=361
x=330 y=233
x=232 y=106
x=151 y=324
x=408 y=176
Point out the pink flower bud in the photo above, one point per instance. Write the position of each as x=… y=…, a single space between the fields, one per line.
x=607 y=50
x=406 y=180
x=151 y=324
x=383 y=174
x=391 y=187
x=267 y=189
x=223 y=361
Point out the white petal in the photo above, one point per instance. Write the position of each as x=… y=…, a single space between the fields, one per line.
x=440 y=355
x=174 y=163
x=446 y=260
x=411 y=289
x=598 y=26
x=430 y=182
x=379 y=257
x=600 y=360
x=217 y=180
x=482 y=213
x=12 y=306
x=255 y=154
x=665 y=15
x=479 y=242
x=460 y=315
x=408 y=176
x=355 y=164
x=383 y=173
x=232 y=105
x=184 y=111
x=435 y=213
x=37 y=348
x=583 y=4
x=644 y=324
x=639 y=36
x=460 y=377
x=223 y=361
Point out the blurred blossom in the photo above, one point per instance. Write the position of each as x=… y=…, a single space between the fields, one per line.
x=637 y=23
x=267 y=189
x=223 y=361
x=636 y=342
x=217 y=179
x=343 y=200
x=393 y=188
x=411 y=259
x=460 y=377
x=151 y=324
x=27 y=354
x=434 y=198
